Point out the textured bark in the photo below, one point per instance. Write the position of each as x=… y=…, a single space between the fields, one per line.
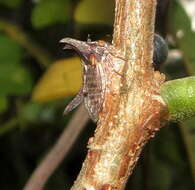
x=132 y=108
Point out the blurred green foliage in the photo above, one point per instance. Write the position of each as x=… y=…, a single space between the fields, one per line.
x=85 y=13
x=3 y=103
x=29 y=128
x=11 y=3
x=49 y=12
x=14 y=78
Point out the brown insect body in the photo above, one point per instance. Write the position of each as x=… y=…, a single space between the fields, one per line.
x=95 y=76
x=94 y=89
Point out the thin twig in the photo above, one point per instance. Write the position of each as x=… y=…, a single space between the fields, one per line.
x=59 y=151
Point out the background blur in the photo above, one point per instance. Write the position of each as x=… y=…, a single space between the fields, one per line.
x=38 y=78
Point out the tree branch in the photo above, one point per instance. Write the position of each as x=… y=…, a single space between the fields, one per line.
x=132 y=106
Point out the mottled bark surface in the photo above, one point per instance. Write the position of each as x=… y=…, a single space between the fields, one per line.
x=132 y=107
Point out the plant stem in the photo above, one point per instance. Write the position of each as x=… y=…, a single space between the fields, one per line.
x=132 y=106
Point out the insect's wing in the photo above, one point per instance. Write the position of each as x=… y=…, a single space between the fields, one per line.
x=94 y=87
x=93 y=76
x=75 y=102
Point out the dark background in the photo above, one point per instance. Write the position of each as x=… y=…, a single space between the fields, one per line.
x=29 y=125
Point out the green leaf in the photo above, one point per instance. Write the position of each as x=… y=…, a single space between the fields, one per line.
x=36 y=112
x=179 y=96
x=63 y=77
x=14 y=78
x=48 y=12
x=11 y=3
x=10 y=51
x=31 y=111
x=3 y=103
x=95 y=12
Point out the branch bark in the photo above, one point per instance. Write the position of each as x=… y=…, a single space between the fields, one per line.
x=132 y=108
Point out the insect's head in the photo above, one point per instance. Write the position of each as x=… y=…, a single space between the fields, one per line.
x=88 y=51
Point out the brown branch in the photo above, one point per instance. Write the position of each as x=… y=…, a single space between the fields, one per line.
x=59 y=151
x=132 y=106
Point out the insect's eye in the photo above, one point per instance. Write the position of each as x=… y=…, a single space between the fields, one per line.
x=160 y=51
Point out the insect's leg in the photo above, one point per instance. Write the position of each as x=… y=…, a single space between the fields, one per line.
x=114 y=70
x=75 y=102
x=120 y=74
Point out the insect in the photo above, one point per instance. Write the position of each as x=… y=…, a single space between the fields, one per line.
x=96 y=71
x=94 y=75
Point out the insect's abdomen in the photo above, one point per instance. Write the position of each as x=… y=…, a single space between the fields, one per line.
x=93 y=89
